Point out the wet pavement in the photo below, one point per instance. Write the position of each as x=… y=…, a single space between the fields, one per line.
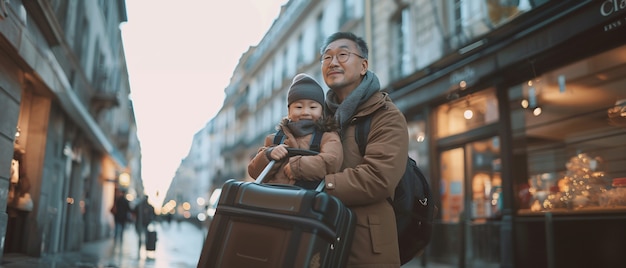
x=178 y=246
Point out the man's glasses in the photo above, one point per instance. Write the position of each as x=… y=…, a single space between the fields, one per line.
x=341 y=57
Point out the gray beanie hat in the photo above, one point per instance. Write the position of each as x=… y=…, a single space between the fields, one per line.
x=304 y=87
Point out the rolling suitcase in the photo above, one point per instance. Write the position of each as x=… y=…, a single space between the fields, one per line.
x=151 y=238
x=269 y=226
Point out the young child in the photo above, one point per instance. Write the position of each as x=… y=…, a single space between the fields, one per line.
x=305 y=104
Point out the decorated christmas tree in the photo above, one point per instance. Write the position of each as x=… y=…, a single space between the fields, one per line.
x=582 y=184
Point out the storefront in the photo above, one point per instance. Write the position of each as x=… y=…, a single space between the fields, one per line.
x=524 y=141
x=26 y=114
x=10 y=94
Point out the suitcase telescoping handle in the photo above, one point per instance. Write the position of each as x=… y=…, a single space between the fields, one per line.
x=290 y=152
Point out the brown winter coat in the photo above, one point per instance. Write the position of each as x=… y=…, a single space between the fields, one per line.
x=365 y=183
x=308 y=168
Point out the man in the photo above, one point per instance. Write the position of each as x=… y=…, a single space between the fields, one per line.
x=120 y=210
x=144 y=215
x=365 y=181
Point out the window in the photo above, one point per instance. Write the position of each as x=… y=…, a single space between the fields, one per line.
x=474 y=18
x=284 y=66
x=319 y=35
x=348 y=9
x=402 y=47
x=569 y=130
x=300 y=51
x=467 y=113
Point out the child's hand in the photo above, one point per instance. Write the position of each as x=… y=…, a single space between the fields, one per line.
x=279 y=152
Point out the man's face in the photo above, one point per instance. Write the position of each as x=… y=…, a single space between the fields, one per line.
x=343 y=77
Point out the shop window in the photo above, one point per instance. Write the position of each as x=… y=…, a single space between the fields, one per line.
x=467 y=113
x=452 y=185
x=484 y=174
x=569 y=133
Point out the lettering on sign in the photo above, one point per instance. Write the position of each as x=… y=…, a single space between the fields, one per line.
x=609 y=7
x=614 y=25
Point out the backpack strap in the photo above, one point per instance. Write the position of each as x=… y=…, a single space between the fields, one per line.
x=316 y=140
x=362 y=131
x=279 y=137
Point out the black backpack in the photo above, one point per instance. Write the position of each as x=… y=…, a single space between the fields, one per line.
x=412 y=202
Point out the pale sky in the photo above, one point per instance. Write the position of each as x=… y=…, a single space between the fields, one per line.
x=180 y=57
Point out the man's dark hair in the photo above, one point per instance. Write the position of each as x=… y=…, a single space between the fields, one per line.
x=360 y=43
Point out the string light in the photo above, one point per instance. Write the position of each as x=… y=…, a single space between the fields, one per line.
x=468 y=113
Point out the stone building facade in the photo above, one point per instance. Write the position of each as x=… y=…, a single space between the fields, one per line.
x=66 y=121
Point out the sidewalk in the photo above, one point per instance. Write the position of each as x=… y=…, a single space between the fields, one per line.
x=178 y=245
x=416 y=263
x=92 y=254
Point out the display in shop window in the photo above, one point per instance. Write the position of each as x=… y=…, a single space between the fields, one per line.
x=583 y=185
x=616 y=196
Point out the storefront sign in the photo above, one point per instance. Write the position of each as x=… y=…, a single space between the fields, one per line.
x=610 y=8
x=467 y=75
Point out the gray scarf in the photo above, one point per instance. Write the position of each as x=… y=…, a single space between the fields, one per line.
x=301 y=128
x=345 y=110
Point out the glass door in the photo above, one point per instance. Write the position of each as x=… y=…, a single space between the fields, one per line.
x=476 y=164
x=470 y=182
x=471 y=201
x=452 y=185
x=483 y=158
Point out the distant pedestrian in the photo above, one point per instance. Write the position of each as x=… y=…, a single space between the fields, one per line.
x=168 y=218
x=144 y=215
x=121 y=211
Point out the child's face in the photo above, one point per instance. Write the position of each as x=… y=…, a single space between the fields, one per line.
x=305 y=109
